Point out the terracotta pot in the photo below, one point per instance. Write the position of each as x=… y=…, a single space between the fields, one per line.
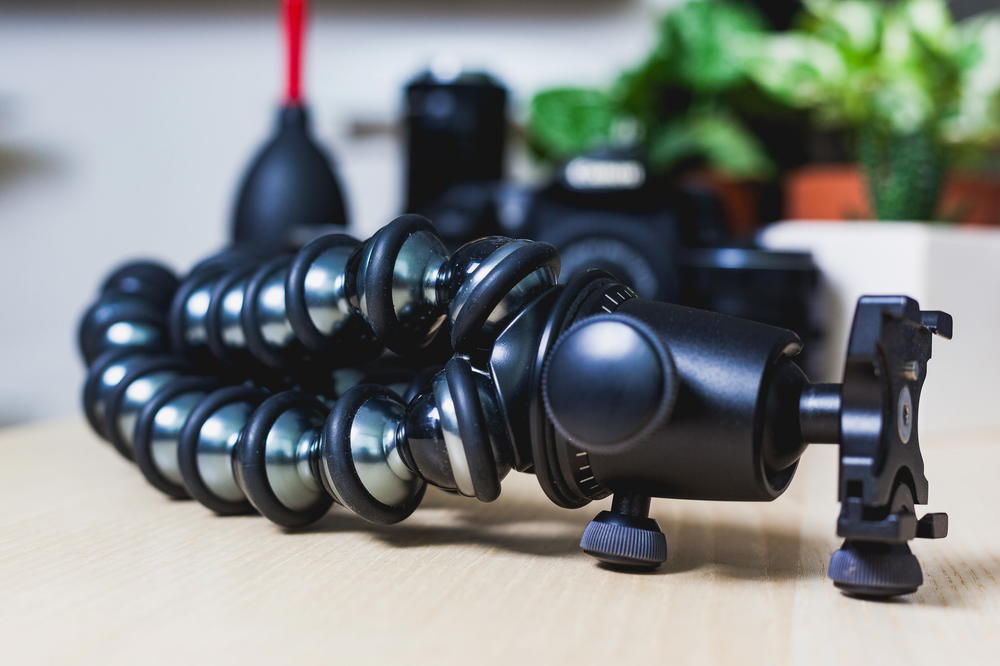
x=838 y=192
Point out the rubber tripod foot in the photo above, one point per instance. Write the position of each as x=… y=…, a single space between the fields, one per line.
x=627 y=542
x=874 y=570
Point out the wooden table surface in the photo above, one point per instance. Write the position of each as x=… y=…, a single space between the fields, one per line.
x=97 y=567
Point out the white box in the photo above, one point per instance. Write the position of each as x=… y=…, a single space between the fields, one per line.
x=946 y=268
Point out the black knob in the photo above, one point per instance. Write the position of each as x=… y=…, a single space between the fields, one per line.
x=625 y=536
x=873 y=569
x=609 y=381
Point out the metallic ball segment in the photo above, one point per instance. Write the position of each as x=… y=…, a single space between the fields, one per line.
x=229 y=386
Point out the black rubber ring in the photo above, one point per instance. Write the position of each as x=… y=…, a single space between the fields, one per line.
x=97 y=312
x=295 y=290
x=176 y=314
x=149 y=281
x=566 y=311
x=227 y=258
x=146 y=271
x=93 y=380
x=496 y=284
x=340 y=463
x=252 y=468
x=579 y=304
x=213 y=318
x=271 y=356
x=142 y=368
x=544 y=456
x=381 y=312
x=187 y=451
x=98 y=320
x=143 y=445
x=473 y=429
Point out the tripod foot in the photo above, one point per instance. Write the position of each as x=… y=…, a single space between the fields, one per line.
x=626 y=537
x=875 y=570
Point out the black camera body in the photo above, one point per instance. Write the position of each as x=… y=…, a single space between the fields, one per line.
x=604 y=209
x=607 y=210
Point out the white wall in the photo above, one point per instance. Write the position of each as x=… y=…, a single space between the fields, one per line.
x=123 y=129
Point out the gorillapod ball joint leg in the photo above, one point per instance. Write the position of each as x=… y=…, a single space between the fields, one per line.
x=592 y=389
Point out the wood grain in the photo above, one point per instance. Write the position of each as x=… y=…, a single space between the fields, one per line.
x=97 y=567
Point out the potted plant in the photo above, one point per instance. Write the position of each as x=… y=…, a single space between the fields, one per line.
x=690 y=106
x=920 y=96
x=918 y=93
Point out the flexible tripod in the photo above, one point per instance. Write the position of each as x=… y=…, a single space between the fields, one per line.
x=222 y=387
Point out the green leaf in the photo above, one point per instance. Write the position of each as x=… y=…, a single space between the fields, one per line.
x=565 y=122
x=853 y=26
x=976 y=117
x=715 y=136
x=637 y=91
x=706 y=42
x=798 y=70
x=931 y=22
x=902 y=102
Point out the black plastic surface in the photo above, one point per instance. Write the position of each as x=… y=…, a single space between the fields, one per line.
x=609 y=381
x=712 y=447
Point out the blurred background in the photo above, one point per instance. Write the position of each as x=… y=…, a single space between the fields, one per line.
x=768 y=159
